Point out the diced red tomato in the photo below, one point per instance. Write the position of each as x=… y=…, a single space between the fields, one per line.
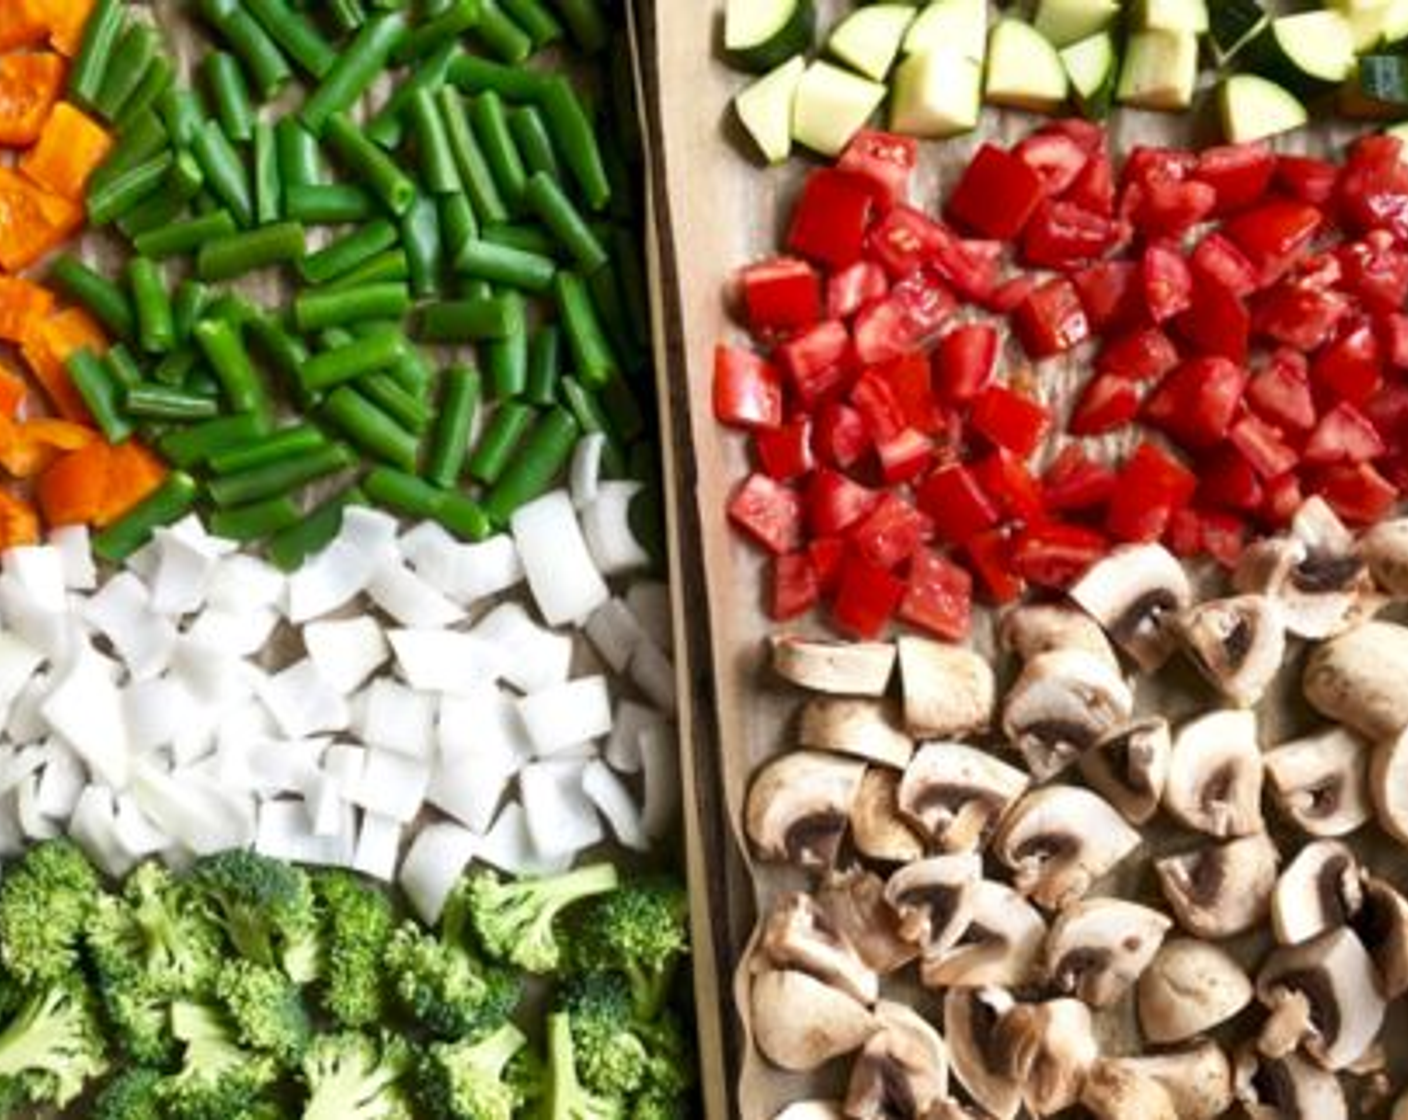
x=781 y=295
x=1170 y=208
x=1184 y=535
x=1227 y=480
x=996 y=194
x=1280 y=393
x=990 y=556
x=1112 y=296
x=1107 y=403
x=1298 y=316
x=911 y=383
x=1357 y=492
x=1217 y=323
x=885 y=160
x=1005 y=298
x=904 y=240
x=1387 y=410
x=1198 y=401
x=1218 y=260
x=1094 y=187
x=875 y=400
x=768 y=512
x=817 y=361
x=1224 y=536
x=826 y=554
x=1055 y=554
x=1009 y=419
x=831 y=218
x=969 y=267
x=1148 y=164
x=1376 y=271
x=1262 y=447
x=1239 y=174
x=905 y=455
x=1140 y=355
x=1344 y=435
x=1151 y=486
x=785 y=452
x=1393 y=339
x=1168 y=282
x=964 y=361
x=1372 y=190
x=851 y=288
x=747 y=389
x=1283 y=498
x=1009 y=482
x=834 y=502
x=1273 y=234
x=795 y=589
x=1064 y=236
x=956 y=504
x=1349 y=368
x=1056 y=157
x=1309 y=180
x=1051 y=320
x=839 y=435
x=867 y=597
x=1074 y=482
x=890 y=532
x=906 y=320
x=938 y=596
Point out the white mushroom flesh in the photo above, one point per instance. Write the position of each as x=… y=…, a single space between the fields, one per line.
x=956 y=794
x=949 y=691
x=1190 y=987
x=1238 y=644
x=1129 y=768
x=1357 y=679
x=800 y=1023
x=862 y=728
x=1062 y=704
x=1058 y=840
x=877 y=828
x=1098 y=947
x=1319 y=890
x=1388 y=785
x=1215 y=775
x=839 y=668
x=1000 y=946
x=800 y=805
x=1321 y=782
x=1220 y=890
x=934 y=898
x=1135 y=593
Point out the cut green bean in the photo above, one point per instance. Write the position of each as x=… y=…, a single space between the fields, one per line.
x=290 y=547
x=169 y=502
x=225 y=173
x=316 y=310
x=458 y=17
x=574 y=140
x=122 y=366
x=376 y=170
x=268 y=182
x=175 y=367
x=474 y=74
x=371 y=429
x=439 y=171
x=156 y=327
x=355 y=359
x=544 y=366
x=474 y=171
x=287 y=443
x=490 y=122
x=501 y=264
x=256 y=520
x=539 y=461
x=329 y=205
x=387 y=127
x=384 y=268
x=267 y=67
x=412 y=372
x=100 y=36
x=536 y=19
x=586 y=23
x=347 y=15
x=229 y=92
x=457 y=225
x=296 y=35
x=341 y=256
x=506 y=429
x=144 y=140
x=101 y=393
x=279 y=477
x=530 y=135
x=471 y=320
x=96 y=293
x=182 y=113
x=587 y=409
x=299 y=161
x=506 y=363
x=358 y=65
x=454 y=426
x=187 y=307
x=383 y=390
x=162 y=402
x=183 y=237
x=555 y=210
x=224 y=349
x=462 y=516
x=501 y=36
x=250 y=250
x=524 y=238
x=116 y=197
x=591 y=353
x=420 y=237
x=168 y=202
x=190 y=447
x=131 y=57
x=159 y=76
x=618 y=400
x=404 y=493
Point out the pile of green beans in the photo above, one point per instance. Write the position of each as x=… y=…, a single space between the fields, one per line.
x=483 y=218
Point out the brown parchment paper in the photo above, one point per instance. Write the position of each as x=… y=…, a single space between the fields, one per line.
x=714 y=209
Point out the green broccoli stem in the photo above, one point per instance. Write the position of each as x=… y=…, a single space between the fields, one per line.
x=494 y=1051
x=650 y=987
x=39 y=1033
x=568 y=1099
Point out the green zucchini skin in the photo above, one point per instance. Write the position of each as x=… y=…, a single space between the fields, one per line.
x=1232 y=24
x=796 y=36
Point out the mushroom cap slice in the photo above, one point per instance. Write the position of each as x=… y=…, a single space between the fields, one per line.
x=1319 y=890
x=855 y=906
x=810 y=1110
x=800 y=1023
x=798 y=935
x=1000 y=948
x=799 y=806
x=1287 y=1087
x=1134 y=593
x=1190 y=987
x=1382 y=925
x=1058 y=840
x=1114 y=1091
x=1050 y=1047
x=901 y=1071
x=1238 y=644
x=857 y=727
x=934 y=898
x=1357 y=679
x=839 y=668
x=1215 y=775
x=956 y=794
x=1385 y=550
x=1098 y=947
x=1198 y=1077
x=1321 y=782
x=971 y=1018
x=1388 y=785
x=877 y=828
x=1129 y=767
x=1062 y=704
x=1334 y=976
x=1036 y=628
x=949 y=691
x=1220 y=890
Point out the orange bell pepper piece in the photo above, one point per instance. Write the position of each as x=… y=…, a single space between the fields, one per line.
x=74 y=489
x=29 y=87
x=28 y=448
x=133 y=473
x=19 y=524
x=65 y=20
x=12 y=391
x=23 y=24
x=71 y=147
x=23 y=303
x=33 y=221
x=47 y=347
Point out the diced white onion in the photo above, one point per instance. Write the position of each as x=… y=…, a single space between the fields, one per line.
x=135 y=831
x=302 y=703
x=567 y=714
x=346 y=650
x=200 y=813
x=37 y=572
x=606 y=525
x=586 y=469
x=378 y=845
x=393 y=785
x=34 y=824
x=508 y=846
x=243 y=582
x=610 y=795
x=19 y=661
x=615 y=633
x=443 y=660
x=561 y=573
x=433 y=865
x=410 y=600
x=94 y=829
x=532 y=656
x=488 y=568
x=399 y=718
x=661 y=762
x=76 y=556
x=61 y=782
x=562 y=820
x=85 y=708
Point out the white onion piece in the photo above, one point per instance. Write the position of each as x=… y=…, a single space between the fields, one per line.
x=37 y=571
x=488 y=568
x=410 y=600
x=606 y=525
x=19 y=661
x=85 y=708
x=562 y=820
x=508 y=846
x=25 y=720
x=61 y=782
x=567 y=714
x=532 y=656
x=399 y=718
x=278 y=766
x=242 y=633
x=135 y=831
x=614 y=632
x=346 y=651
x=585 y=475
x=660 y=757
x=561 y=573
x=33 y=824
x=19 y=763
x=194 y=810
x=609 y=794
x=433 y=866
x=12 y=841
x=393 y=785
x=154 y=711
x=122 y=611
x=55 y=634
x=325 y=804
x=654 y=675
x=623 y=746
x=242 y=582
x=483 y=745
x=378 y=843
x=434 y=555
x=444 y=660
x=302 y=703
x=284 y=834
x=76 y=556
x=186 y=559
x=344 y=763
x=214 y=678
x=649 y=601
x=94 y=829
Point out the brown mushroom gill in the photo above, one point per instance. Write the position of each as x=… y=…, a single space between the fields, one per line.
x=1330 y=888
x=896 y=1093
x=984 y=1021
x=1046 y=847
x=1219 y=785
x=1321 y=572
x=1146 y=610
x=1314 y=984
x=1081 y=962
x=1238 y=643
x=940 y=900
x=1275 y=1086
x=1207 y=876
x=952 y=800
x=817 y=836
x=1132 y=768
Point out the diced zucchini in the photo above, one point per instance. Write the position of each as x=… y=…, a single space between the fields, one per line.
x=1378 y=90
x=765 y=108
x=1024 y=70
x=1398 y=131
x=1233 y=24
x=957 y=25
x=1396 y=23
x=762 y=34
x=1366 y=21
x=1254 y=108
x=831 y=106
x=1069 y=21
x=1307 y=53
x=1160 y=70
x=1093 y=68
x=1190 y=16
x=869 y=38
x=936 y=94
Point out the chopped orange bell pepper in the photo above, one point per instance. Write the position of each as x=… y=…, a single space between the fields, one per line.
x=29 y=87
x=47 y=348
x=133 y=473
x=29 y=447
x=19 y=524
x=74 y=489
x=65 y=20
x=12 y=391
x=23 y=23
x=70 y=148
x=33 y=221
x=22 y=303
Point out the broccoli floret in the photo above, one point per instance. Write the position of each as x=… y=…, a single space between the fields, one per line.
x=53 y=1046
x=468 y=1080
x=266 y=1008
x=139 y=1017
x=44 y=901
x=135 y=1094
x=357 y=924
x=515 y=920
x=350 y=1077
x=155 y=929
x=444 y=987
x=657 y=1105
x=218 y=1079
x=266 y=908
x=612 y=1058
x=642 y=932
x=567 y=1098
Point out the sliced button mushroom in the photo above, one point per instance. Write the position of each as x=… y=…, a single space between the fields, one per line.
x=979 y=1059
x=810 y=1110
x=799 y=806
x=801 y=1023
x=1325 y=990
x=1000 y=948
x=1049 y=1047
x=1382 y=925
x=901 y=1071
x=1135 y=593
x=840 y=668
x=877 y=828
x=1357 y=679
x=1058 y=840
x=1036 y=628
x=956 y=794
x=1385 y=550
x=1129 y=768
x=856 y=727
x=1215 y=775
x=949 y=691
x=1288 y=1088
x=1220 y=890
x=1098 y=947
x=799 y=935
x=934 y=898
x=1322 y=782
x=1238 y=644
x=1061 y=705
x=854 y=903
x=1319 y=890
x=1190 y=987
x=1114 y=1091
x=1198 y=1078
x=1388 y=785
